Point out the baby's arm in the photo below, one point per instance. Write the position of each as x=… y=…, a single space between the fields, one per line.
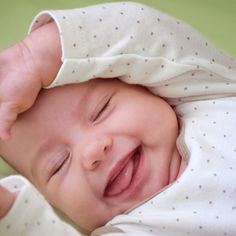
x=143 y=46
x=25 y=68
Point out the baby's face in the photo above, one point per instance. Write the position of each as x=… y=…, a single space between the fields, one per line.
x=96 y=149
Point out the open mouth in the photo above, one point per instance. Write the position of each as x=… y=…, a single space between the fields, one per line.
x=124 y=174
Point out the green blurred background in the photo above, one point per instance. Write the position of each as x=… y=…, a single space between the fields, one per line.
x=216 y=19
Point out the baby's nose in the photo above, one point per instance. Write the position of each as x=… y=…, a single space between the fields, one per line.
x=96 y=151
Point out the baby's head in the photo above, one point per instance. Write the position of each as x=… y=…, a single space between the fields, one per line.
x=96 y=149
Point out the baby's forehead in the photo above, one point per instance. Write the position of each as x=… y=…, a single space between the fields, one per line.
x=63 y=98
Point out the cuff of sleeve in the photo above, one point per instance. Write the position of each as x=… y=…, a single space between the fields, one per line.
x=65 y=21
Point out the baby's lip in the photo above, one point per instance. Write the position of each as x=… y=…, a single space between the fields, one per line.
x=116 y=171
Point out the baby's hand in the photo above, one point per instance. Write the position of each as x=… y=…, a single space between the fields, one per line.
x=19 y=85
x=24 y=69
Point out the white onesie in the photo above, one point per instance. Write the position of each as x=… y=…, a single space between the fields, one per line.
x=141 y=45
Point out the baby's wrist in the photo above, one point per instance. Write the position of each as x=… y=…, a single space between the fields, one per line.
x=45 y=51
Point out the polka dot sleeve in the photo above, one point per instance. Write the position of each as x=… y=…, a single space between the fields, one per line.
x=30 y=214
x=140 y=45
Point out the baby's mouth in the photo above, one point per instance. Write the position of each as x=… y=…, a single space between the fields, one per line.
x=123 y=174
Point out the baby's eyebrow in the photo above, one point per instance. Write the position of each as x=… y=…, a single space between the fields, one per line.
x=41 y=155
x=84 y=98
x=43 y=148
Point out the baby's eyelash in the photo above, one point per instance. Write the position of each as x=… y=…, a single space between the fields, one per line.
x=60 y=165
x=102 y=109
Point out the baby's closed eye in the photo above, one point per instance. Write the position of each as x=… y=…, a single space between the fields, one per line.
x=101 y=108
x=60 y=164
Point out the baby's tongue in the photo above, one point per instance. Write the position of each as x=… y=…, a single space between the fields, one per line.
x=122 y=181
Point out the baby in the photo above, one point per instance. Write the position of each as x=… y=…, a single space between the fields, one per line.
x=110 y=148
x=96 y=150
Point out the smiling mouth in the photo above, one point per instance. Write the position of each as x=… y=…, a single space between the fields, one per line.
x=123 y=175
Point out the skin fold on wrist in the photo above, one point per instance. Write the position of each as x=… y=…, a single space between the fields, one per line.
x=44 y=50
